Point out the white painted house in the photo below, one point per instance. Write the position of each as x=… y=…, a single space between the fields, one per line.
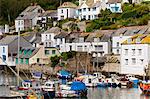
x=123 y=34
x=48 y=36
x=86 y=42
x=90 y=9
x=114 y=6
x=135 y=55
x=28 y=18
x=66 y=10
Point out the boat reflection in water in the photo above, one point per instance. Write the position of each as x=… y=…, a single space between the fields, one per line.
x=116 y=93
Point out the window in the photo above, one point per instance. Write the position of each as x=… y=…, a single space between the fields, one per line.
x=46 y=37
x=133 y=52
x=70 y=48
x=49 y=44
x=133 y=61
x=61 y=41
x=140 y=51
x=94 y=9
x=79 y=10
x=117 y=51
x=21 y=22
x=46 y=52
x=79 y=48
x=18 y=22
x=89 y=17
x=84 y=17
x=49 y=37
x=96 y=39
x=25 y=52
x=117 y=44
x=85 y=48
x=38 y=60
x=126 y=61
x=53 y=51
x=126 y=51
x=98 y=47
x=21 y=60
x=61 y=11
x=81 y=39
x=62 y=17
x=89 y=9
x=27 y=61
x=4 y=57
x=3 y=49
x=46 y=44
x=141 y=61
x=16 y=60
x=95 y=16
x=84 y=9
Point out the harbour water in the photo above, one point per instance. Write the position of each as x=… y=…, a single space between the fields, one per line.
x=116 y=93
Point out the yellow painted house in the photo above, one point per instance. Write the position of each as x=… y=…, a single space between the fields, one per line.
x=135 y=55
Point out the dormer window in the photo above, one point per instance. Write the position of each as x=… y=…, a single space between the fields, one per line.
x=138 y=40
x=129 y=40
x=21 y=15
x=96 y=39
x=81 y=39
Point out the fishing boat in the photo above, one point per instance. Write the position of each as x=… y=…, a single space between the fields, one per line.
x=30 y=84
x=89 y=80
x=63 y=74
x=145 y=87
x=48 y=89
x=80 y=88
x=133 y=79
x=125 y=83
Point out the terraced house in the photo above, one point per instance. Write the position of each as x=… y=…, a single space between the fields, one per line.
x=135 y=54
x=31 y=55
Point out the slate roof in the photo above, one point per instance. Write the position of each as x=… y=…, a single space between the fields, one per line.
x=132 y=30
x=114 y=1
x=61 y=35
x=34 y=51
x=91 y=4
x=55 y=30
x=28 y=13
x=52 y=13
x=33 y=38
x=7 y=40
x=68 y=5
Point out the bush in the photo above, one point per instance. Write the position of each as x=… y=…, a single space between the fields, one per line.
x=54 y=60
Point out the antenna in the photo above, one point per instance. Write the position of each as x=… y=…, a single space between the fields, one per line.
x=18 y=58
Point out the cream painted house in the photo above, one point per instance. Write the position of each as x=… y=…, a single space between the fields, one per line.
x=66 y=10
x=31 y=55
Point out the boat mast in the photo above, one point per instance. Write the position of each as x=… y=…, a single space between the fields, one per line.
x=18 y=58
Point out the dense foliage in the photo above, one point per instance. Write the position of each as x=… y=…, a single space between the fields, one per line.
x=63 y=57
x=132 y=15
x=10 y=9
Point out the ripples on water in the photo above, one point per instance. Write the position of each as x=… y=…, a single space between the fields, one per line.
x=115 y=93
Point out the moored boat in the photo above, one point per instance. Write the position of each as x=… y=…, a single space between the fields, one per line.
x=145 y=87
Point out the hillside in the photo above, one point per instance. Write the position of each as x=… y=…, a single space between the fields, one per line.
x=9 y=9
